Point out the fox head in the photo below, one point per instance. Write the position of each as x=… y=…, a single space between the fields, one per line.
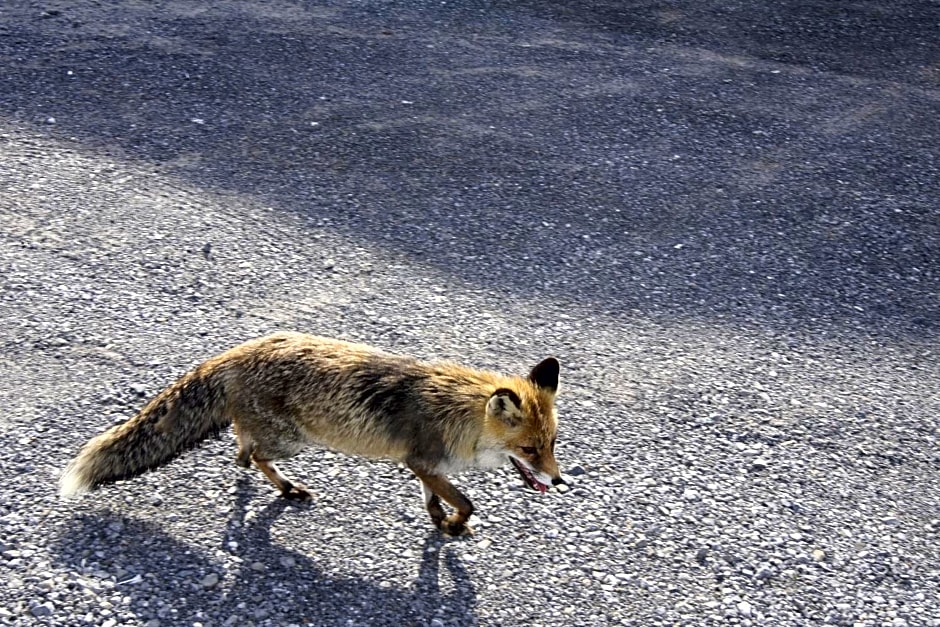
x=522 y=425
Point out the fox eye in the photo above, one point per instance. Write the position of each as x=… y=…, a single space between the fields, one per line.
x=528 y=450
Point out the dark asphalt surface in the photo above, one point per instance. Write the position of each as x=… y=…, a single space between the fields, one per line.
x=722 y=217
x=790 y=151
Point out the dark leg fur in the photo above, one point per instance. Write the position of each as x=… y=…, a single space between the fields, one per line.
x=243 y=458
x=435 y=510
x=246 y=447
x=441 y=488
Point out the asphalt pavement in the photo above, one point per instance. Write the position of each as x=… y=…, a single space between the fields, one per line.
x=721 y=217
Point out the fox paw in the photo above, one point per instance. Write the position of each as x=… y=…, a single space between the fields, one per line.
x=297 y=492
x=451 y=527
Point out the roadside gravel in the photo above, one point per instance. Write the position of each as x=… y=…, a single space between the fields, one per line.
x=722 y=219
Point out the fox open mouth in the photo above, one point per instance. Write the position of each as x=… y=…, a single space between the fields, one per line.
x=528 y=477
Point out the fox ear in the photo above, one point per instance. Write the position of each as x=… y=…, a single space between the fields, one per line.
x=545 y=374
x=504 y=404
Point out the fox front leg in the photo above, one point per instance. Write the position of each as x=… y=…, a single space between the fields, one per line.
x=437 y=487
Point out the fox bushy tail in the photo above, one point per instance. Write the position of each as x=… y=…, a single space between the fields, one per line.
x=179 y=418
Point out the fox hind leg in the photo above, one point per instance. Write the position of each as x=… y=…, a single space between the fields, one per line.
x=289 y=489
x=246 y=449
x=246 y=444
x=264 y=453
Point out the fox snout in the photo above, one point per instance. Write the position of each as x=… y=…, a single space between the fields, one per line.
x=538 y=477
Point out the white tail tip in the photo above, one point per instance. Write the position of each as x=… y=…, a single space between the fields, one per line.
x=72 y=483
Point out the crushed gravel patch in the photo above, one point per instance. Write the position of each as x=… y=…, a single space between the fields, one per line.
x=722 y=219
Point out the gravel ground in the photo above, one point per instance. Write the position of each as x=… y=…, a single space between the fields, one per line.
x=721 y=217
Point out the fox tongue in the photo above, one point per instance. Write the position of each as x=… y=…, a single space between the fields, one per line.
x=530 y=478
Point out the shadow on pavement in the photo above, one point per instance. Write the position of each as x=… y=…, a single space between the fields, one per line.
x=272 y=585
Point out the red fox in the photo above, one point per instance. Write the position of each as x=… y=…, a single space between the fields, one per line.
x=286 y=391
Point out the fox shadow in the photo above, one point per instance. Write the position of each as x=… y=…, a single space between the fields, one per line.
x=166 y=578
